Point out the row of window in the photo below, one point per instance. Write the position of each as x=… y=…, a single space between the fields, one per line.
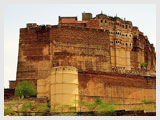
x=119 y=33
x=124 y=26
x=126 y=44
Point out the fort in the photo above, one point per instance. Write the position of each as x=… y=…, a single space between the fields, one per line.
x=100 y=56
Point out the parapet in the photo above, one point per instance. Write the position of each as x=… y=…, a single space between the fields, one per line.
x=64 y=69
x=30 y=25
x=67 y=19
x=80 y=28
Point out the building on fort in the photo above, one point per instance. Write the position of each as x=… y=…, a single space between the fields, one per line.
x=98 y=56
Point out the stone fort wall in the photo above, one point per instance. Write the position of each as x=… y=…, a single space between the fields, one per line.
x=44 y=47
x=129 y=47
x=116 y=88
x=88 y=49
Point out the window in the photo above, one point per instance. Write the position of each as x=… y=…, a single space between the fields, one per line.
x=126 y=44
x=101 y=21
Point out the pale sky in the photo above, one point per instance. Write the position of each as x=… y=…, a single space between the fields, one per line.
x=17 y=15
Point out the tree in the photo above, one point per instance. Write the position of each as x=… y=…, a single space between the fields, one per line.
x=24 y=89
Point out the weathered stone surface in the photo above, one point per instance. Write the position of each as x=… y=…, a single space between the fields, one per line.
x=42 y=48
x=61 y=86
x=116 y=87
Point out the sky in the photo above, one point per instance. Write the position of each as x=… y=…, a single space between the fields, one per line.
x=16 y=16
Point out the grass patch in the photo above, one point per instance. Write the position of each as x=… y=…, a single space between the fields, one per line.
x=148 y=101
x=9 y=111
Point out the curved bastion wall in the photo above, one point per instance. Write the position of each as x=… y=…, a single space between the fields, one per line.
x=61 y=86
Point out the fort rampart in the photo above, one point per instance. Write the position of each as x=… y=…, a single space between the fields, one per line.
x=107 y=53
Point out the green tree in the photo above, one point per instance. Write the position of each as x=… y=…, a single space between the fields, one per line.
x=24 y=89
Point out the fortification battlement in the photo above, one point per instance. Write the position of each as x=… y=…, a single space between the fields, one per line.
x=30 y=25
x=48 y=27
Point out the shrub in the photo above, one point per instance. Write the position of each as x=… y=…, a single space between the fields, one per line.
x=99 y=106
x=9 y=111
x=42 y=107
x=106 y=107
x=143 y=65
x=26 y=107
x=25 y=88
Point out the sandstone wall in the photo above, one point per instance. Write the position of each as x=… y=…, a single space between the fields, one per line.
x=142 y=52
x=120 y=34
x=44 y=47
x=128 y=46
x=34 y=61
x=86 y=49
x=61 y=86
x=116 y=88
